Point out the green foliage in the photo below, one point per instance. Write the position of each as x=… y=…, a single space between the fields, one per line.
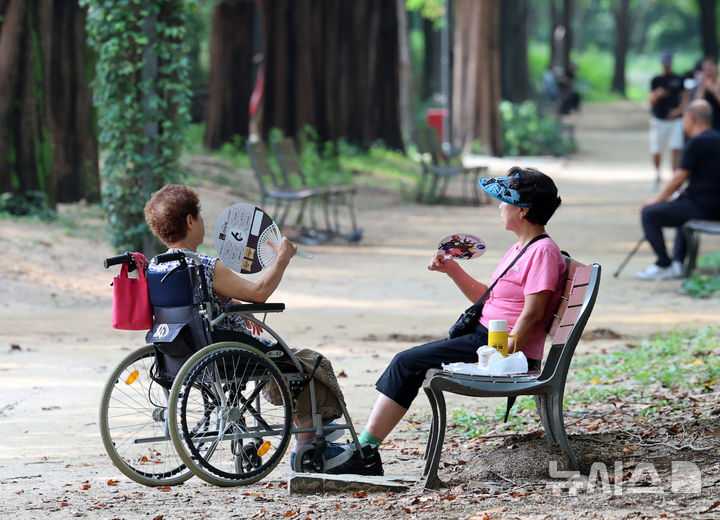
x=27 y=204
x=132 y=104
x=527 y=132
x=704 y=282
x=431 y=9
x=676 y=360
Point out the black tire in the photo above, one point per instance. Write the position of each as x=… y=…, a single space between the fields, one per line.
x=132 y=424
x=222 y=421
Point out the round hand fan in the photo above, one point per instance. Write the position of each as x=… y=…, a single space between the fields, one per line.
x=461 y=246
x=241 y=235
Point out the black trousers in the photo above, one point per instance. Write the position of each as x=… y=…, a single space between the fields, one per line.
x=674 y=214
x=403 y=378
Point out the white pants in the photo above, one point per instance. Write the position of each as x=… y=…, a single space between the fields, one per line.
x=666 y=133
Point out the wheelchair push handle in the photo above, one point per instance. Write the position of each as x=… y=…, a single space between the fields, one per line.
x=169 y=257
x=125 y=258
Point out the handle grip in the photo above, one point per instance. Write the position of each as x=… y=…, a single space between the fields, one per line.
x=169 y=257
x=125 y=258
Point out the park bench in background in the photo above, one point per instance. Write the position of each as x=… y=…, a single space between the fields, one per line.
x=338 y=195
x=692 y=230
x=436 y=165
x=547 y=386
x=281 y=193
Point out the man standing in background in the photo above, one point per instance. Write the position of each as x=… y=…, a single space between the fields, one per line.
x=666 y=128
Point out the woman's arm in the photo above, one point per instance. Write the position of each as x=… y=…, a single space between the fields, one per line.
x=469 y=286
x=229 y=285
x=532 y=314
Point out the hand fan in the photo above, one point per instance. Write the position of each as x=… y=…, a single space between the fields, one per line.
x=241 y=235
x=461 y=246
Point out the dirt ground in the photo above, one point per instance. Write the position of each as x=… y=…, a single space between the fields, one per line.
x=358 y=304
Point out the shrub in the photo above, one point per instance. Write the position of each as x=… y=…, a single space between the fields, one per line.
x=527 y=132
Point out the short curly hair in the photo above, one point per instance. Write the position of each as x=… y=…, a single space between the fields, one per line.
x=538 y=190
x=167 y=210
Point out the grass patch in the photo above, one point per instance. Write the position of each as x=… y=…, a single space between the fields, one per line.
x=676 y=361
x=705 y=281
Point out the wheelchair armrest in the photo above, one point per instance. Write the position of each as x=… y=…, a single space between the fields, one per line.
x=254 y=307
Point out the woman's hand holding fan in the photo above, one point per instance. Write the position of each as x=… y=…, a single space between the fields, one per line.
x=248 y=240
x=460 y=246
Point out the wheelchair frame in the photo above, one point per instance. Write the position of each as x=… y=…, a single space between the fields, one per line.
x=202 y=424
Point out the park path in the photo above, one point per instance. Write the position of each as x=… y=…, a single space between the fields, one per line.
x=358 y=304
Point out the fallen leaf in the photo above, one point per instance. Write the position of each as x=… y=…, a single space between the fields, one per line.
x=86 y=486
x=112 y=482
x=698 y=362
x=291 y=512
x=158 y=517
x=342 y=374
x=64 y=504
x=15 y=346
x=594 y=426
x=163 y=488
x=360 y=494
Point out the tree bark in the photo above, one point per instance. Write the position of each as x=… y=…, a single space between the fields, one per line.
x=405 y=76
x=334 y=65
x=476 y=75
x=513 y=57
x=431 y=61
x=708 y=27
x=47 y=138
x=561 y=35
x=623 y=23
x=230 y=82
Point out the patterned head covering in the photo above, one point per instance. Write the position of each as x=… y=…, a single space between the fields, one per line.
x=503 y=188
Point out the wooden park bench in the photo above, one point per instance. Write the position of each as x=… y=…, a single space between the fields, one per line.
x=547 y=386
x=692 y=230
x=437 y=166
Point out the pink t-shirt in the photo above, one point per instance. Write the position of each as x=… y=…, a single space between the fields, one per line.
x=540 y=268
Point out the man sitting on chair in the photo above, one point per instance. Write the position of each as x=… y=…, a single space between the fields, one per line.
x=700 y=167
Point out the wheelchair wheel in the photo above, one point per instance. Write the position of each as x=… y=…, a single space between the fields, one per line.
x=230 y=414
x=133 y=424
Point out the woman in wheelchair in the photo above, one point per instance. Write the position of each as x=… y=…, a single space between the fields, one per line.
x=173 y=214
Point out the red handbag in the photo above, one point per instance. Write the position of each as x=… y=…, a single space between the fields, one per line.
x=131 y=299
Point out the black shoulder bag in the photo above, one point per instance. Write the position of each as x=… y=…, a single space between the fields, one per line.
x=468 y=320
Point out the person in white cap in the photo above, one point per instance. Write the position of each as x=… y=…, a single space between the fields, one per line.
x=666 y=130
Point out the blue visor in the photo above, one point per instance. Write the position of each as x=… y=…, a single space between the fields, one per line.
x=502 y=189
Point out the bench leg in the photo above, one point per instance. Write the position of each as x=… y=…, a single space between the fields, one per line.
x=421 y=187
x=431 y=479
x=432 y=194
x=558 y=427
x=692 y=238
x=541 y=403
x=427 y=456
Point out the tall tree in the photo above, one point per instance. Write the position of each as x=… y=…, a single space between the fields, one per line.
x=230 y=82
x=334 y=65
x=47 y=137
x=623 y=25
x=561 y=34
x=476 y=75
x=431 y=60
x=513 y=47
x=708 y=27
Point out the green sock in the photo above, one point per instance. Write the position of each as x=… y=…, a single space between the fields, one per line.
x=366 y=438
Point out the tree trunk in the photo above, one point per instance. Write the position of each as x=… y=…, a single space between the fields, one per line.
x=708 y=28
x=334 y=65
x=561 y=37
x=405 y=76
x=431 y=61
x=621 y=13
x=476 y=75
x=230 y=82
x=47 y=138
x=513 y=57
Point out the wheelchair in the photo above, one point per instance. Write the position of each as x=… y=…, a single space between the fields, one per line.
x=199 y=400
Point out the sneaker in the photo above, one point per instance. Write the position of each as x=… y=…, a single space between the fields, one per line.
x=677 y=269
x=370 y=464
x=655 y=272
x=332 y=436
x=335 y=455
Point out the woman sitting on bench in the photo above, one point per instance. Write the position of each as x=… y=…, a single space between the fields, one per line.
x=525 y=296
x=173 y=214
